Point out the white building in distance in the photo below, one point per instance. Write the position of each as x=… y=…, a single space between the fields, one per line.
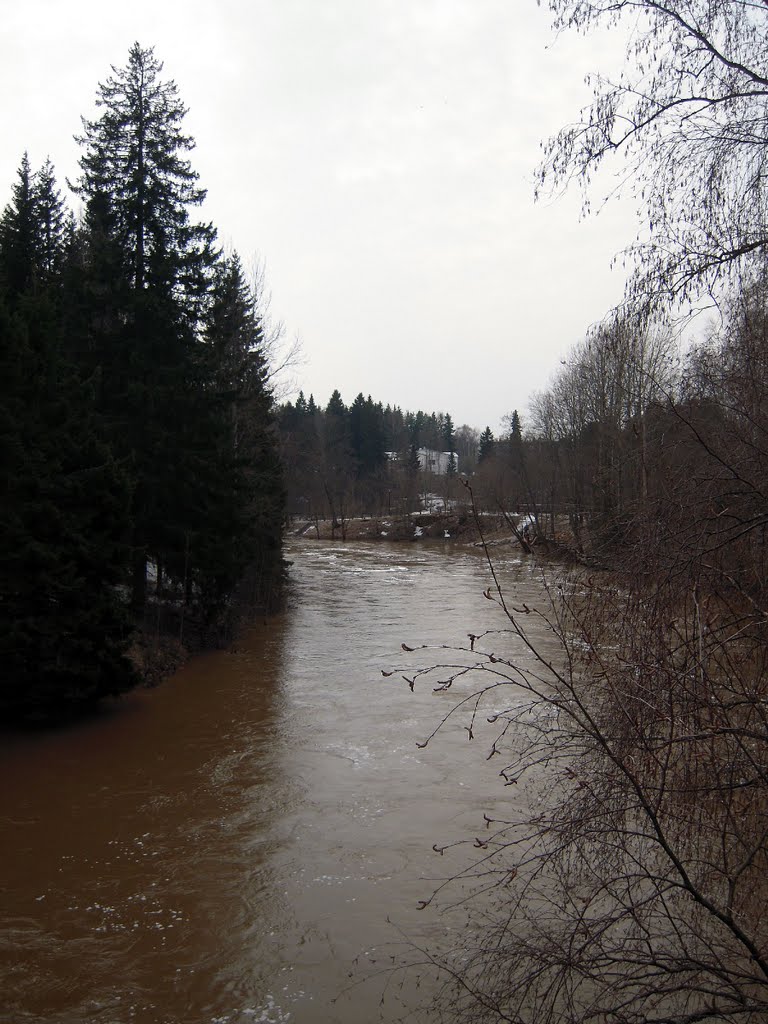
x=436 y=462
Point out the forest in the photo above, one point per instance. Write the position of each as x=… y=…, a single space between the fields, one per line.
x=142 y=489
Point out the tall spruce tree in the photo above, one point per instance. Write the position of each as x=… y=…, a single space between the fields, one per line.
x=487 y=443
x=63 y=630
x=139 y=187
x=515 y=430
x=366 y=433
x=337 y=465
x=242 y=489
x=19 y=236
x=448 y=434
x=50 y=217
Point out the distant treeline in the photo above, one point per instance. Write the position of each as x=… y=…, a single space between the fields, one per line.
x=141 y=480
x=363 y=459
x=629 y=447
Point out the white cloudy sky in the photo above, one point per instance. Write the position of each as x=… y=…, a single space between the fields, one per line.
x=378 y=156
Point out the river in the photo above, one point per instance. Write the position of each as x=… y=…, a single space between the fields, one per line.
x=250 y=841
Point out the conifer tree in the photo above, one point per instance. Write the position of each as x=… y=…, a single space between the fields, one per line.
x=63 y=630
x=337 y=457
x=487 y=442
x=448 y=434
x=366 y=436
x=413 y=465
x=301 y=404
x=134 y=156
x=18 y=236
x=139 y=188
x=336 y=405
x=242 y=487
x=50 y=218
x=515 y=430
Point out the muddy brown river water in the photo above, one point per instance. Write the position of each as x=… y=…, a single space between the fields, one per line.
x=249 y=842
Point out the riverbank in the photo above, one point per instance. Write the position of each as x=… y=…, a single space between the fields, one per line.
x=458 y=525
x=155 y=656
x=417 y=526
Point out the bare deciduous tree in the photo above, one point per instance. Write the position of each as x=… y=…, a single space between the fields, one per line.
x=594 y=417
x=284 y=355
x=633 y=887
x=687 y=119
x=630 y=888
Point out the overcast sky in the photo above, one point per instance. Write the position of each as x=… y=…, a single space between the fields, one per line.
x=378 y=157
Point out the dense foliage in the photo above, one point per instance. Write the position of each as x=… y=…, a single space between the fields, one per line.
x=136 y=418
